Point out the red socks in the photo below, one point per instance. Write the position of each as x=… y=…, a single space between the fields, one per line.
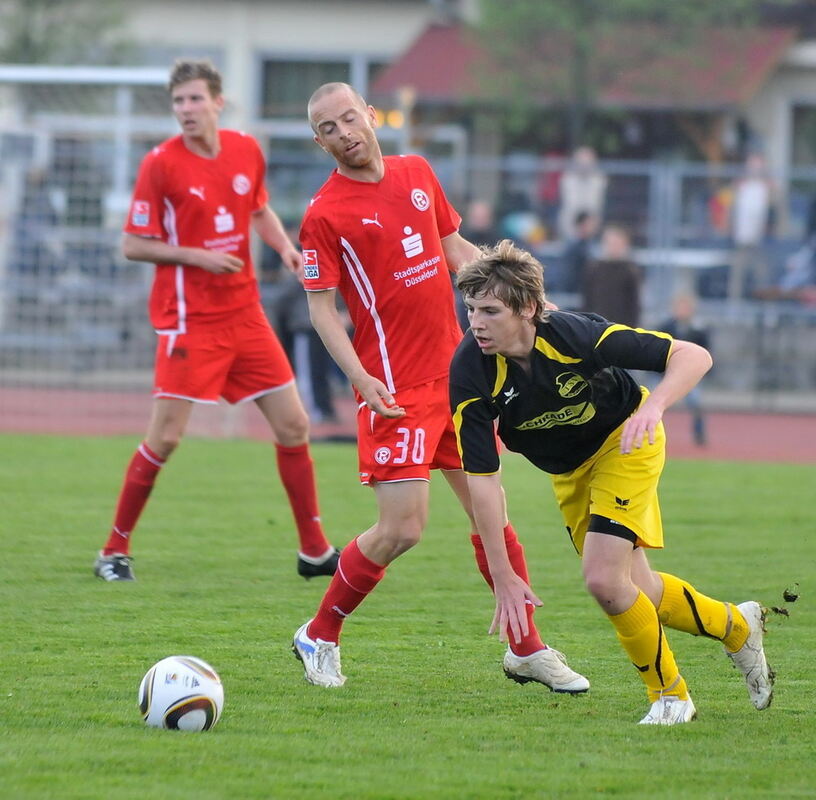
x=531 y=643
x=356 y=576
x=139 y=479
x=297 y=475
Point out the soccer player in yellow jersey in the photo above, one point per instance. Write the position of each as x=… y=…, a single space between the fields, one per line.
x=558 y=384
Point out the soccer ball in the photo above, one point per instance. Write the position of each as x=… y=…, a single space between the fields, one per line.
x=181 y=693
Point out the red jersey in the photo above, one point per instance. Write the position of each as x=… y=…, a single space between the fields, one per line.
x=188 y=200
x=380 y=245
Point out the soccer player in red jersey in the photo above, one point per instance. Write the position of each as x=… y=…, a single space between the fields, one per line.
x=196 y=197
x=381 y=231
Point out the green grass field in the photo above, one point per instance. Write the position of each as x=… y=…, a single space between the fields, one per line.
x=426 y=711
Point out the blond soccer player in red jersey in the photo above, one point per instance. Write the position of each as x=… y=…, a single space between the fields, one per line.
x=196 y=198
x=382 y=233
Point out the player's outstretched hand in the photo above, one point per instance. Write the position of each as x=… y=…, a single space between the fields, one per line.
x=377 y=397
x=512 y=596
x=219 y=263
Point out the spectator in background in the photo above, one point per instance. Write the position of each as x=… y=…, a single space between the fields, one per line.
x=582 y=188
x=288 y=312
x=479 y=228
x=548 y=188
x=798 y=279
x=810 y=224
x=682 y=325
x=480 y=223
x=753 y=200
x=611 y=285
x=311 y=361
x=577 y=255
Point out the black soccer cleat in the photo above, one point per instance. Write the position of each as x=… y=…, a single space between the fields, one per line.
x=310 y=568
x=115 y=567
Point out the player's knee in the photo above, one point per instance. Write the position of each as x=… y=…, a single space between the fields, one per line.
x=403 y=536
x=602 y=583
x=167 y=442
x=293 y=430
x=408 y=536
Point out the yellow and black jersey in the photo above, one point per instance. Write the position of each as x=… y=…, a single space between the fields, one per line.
x=577 y=393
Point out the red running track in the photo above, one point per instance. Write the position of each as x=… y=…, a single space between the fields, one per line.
x=731 y=435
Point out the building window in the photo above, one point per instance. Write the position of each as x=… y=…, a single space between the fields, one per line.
x=804 y=135
x=287 y=85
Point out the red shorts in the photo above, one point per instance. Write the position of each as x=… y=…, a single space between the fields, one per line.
x=409 y=447
x=238 y=363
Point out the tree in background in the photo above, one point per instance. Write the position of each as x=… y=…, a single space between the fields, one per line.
x=564 y=53
x=61 y=31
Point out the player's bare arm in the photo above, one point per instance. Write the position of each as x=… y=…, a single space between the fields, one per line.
x=512 y=593
x=459 y=251
x=329 y=325
x=687 y=364
x=268 y=226
x=156 y=251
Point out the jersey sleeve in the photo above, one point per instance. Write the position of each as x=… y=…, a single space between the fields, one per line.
x=601 y=343
x=634 y=348
x=473 y=415
x=321 y=258
x=147 y=204
x=447 y=218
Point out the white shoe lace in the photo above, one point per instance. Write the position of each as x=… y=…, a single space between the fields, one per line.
x=327 y=658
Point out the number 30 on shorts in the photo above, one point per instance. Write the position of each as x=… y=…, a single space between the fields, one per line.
x=410 y=445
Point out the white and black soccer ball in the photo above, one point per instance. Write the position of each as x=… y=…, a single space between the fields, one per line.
x=181 y=693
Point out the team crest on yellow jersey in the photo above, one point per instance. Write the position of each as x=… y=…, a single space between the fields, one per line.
x=570 y=384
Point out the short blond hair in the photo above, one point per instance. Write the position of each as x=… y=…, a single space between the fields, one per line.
x=185 y=70
x=509 y=273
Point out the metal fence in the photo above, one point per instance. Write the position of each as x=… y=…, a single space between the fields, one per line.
x=72 y=310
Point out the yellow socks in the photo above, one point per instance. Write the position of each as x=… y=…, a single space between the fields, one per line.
x=641 y=635
x=683 y=608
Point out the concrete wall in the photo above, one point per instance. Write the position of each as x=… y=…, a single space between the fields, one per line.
x=244 y=31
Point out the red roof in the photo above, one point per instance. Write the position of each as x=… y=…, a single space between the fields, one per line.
x=717 y=68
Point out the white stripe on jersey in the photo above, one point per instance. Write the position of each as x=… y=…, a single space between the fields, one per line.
x=172 y=238
x=366 y=292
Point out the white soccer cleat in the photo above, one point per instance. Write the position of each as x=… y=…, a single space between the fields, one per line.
x=750 y=658
x=321 y=660
x=670 y=710
x=546 y=666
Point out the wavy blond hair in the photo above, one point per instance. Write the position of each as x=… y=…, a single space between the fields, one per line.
x=509 y=273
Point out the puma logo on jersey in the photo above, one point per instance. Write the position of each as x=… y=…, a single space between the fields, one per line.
x=198 y=191
x=375 y=221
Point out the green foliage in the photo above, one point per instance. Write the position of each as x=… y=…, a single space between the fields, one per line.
x=61 y=31
x=426 y=712
x=567 y=51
